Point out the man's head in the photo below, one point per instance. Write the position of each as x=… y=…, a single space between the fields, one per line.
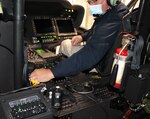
x=101 y=6
x=111 y=3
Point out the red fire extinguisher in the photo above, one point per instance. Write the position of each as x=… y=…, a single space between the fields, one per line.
x=122 y=58
x=119 y=67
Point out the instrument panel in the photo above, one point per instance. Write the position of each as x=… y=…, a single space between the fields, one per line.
x=59 y=98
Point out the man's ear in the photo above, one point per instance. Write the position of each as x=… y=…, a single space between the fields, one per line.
x=105 y=6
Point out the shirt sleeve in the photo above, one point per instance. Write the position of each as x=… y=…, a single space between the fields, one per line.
x=86 y=35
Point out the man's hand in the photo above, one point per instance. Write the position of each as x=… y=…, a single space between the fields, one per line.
x=41 y=75
x=76 y=40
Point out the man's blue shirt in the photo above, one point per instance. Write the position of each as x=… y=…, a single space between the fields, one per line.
x=99 y=39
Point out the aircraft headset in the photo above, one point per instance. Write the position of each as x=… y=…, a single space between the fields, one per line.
x=112 y=3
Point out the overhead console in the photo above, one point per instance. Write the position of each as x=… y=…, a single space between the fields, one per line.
x=46 y=7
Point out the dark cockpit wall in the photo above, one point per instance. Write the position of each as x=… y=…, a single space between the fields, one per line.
x=6 y=48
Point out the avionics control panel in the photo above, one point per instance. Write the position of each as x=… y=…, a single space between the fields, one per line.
x=46 y=29
x=25 y=104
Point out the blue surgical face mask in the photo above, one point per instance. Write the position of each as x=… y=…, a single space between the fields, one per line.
x=96 y=9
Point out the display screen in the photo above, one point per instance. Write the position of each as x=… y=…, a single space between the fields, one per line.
x=65 y=27
x=40 y=51
x=43 y=26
